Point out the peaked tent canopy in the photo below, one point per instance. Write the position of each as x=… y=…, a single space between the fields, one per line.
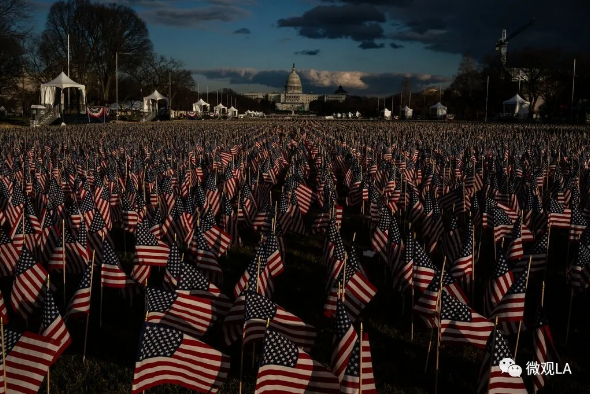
x=407 y=112
x=61 y=82
x=439 y=109
x=198 y=106
x=232 y=111
x=516 y=106
x=147 y=100
x=386 y=113
x=220 y=109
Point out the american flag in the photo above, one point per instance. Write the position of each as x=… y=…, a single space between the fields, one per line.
x=173 y=268
x=76 y=255
x=558 y=215
x=544 y=346
x=217 y=239
x=271 y=265
x=498 y=284
x=403 y=273
x=502 y=224
x=111 y=273
x=167 y=355
x=461 y=324
x=463 y=266
x=380 y=235
x=53 y=326
x=259 y=309
x=427 y=305
x=206 y=259
x=346 y=357
x=517 y=236
x=358 y=290
x=579 y=271
x=334 y=253
x=511 y=306
x=424 y=270
x=28 y=288
x=537 y=253
x=192 y=282
x=286 y=369
x=9 y=252
x=80 y=303
x=234 y=321
x=148 y=249
x=191 y=314
x=491 y=378
x=3 y=310
x=28 y=358
x=577 y=225
x=130 y=216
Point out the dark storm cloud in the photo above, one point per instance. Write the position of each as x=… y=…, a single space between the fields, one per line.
x=319 y=81
x=458 y=26
x=360 y=23
x=308 y=52
x=194 y=17
x=395 y=46
x=370 y=45
x=243 y=30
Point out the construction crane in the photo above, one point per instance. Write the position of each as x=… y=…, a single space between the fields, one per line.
x=502 y=44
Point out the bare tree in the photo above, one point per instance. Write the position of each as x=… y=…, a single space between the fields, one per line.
x=13 y=30
x=97 y=32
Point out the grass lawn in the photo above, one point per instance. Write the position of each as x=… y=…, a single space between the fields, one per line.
x=398 y=363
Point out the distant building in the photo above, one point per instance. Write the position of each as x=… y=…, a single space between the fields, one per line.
x=293 y=98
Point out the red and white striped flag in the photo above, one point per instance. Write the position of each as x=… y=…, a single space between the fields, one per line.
x=148 y=249
x=80 y=303
x=28 y=288
x=190 y=314
x=28 y=357
x=348 y=362
x=167 y=355
x=286 y=369
x=53 y=326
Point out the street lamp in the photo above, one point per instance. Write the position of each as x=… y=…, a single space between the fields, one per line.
x=117 y=79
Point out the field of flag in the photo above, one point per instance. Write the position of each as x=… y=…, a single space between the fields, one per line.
x=231 y=257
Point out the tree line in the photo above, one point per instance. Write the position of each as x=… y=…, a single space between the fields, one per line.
x=96 y=33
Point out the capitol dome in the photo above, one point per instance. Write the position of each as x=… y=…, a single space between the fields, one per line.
x=293 y=84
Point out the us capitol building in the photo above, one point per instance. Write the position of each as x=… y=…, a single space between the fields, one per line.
x=293 y=98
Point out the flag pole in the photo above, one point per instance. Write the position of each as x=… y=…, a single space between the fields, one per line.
x=472 y=258
x=492 y=353
x=439 y=307
x=547 y=251
x=569 y=316
x=101 y=289
x=361 y=360
x=63 y=251
x=526 y=284
x=88 y=315
x=48 y=284
x=242 y=354
x=257 y=277
x=344 y=278
x=3 y=354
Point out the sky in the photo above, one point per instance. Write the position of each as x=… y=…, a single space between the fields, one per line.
x=366 y=46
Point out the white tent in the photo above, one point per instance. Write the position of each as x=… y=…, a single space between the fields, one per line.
x=407 y=112
x=385 y=113
x=358 y=114
x=220 y=109
x=517 y=107
x=232 y=111
x=61 y=82
x=148 y=101
x=200 y=105
x=350 y=115
x=438 y=110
